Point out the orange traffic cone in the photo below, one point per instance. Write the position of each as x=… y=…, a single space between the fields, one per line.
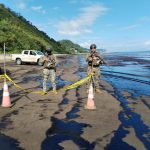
x=6 y=102
x=90 y=102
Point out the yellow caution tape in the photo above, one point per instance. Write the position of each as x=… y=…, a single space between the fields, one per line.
x=19 y=87
x=74 y=85
x=1 y=76
x=78 y=83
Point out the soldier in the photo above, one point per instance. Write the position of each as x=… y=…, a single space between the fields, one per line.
x=49 y=69
x=94 y=61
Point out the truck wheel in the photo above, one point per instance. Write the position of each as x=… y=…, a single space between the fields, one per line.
x=18 y=61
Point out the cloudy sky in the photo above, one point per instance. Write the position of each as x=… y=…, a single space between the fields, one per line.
x=115 y=25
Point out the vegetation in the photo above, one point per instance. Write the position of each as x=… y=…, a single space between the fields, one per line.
x=18 y=34
x=71 y=47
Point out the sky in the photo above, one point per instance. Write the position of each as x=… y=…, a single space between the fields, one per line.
x=114 y=25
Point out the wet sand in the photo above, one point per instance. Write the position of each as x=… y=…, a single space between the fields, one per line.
x=59 y=121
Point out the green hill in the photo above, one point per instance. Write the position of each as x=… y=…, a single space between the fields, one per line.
x=19 y=34
x=70 y=47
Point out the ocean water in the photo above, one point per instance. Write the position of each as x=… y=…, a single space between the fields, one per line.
x=128 y=71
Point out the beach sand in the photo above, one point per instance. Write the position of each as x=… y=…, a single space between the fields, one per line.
x=57 y=121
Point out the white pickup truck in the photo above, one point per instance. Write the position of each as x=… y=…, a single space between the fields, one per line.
x=32 y=56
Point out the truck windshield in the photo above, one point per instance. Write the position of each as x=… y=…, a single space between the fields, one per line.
x=39 y=53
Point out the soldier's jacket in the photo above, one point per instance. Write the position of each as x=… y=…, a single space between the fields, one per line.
x=94 y=59
x=49 y=62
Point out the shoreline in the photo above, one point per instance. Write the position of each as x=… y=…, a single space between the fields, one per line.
x=52 y=115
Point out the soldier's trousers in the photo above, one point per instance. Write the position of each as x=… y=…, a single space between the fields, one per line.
x=95 y=80
x=49 y=73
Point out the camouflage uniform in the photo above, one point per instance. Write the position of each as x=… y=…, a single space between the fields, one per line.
x=94 y=60
x=49 y=71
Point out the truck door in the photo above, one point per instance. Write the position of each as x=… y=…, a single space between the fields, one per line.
x=25 y=56
x=32 y=56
